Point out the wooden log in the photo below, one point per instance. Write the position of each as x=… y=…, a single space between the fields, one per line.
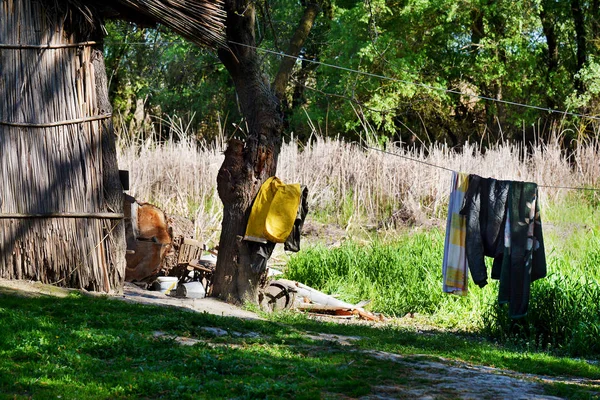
x=315 y=296
x=320 y=307
x=344 y=317
x=319 y=301
x=368 y=316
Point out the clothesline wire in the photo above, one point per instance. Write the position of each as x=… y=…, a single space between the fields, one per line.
x=383 y=77
x=570 y=188
x=408 y=158
x=419 y=84
x=451 y=170
x=423 y=85
x=425 y=162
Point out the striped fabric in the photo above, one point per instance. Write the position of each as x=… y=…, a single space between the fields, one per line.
x=454 y=267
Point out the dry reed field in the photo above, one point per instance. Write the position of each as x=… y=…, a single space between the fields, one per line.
x=350 y=184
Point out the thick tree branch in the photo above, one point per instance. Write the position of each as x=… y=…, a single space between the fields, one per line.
x=300 y=35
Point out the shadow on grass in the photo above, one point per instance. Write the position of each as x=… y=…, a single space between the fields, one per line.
x=84 y=347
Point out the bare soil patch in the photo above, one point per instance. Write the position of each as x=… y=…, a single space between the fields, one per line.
x=134 y=294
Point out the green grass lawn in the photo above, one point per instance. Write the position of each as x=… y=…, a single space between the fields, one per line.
x=84 y=347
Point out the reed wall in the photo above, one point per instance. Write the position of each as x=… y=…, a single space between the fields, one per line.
x=60 y=198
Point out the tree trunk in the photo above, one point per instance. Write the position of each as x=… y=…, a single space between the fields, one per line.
x=247 y=163
x=250 y=162
x=477 y=29
x=548 y=26
x=306 y=69
x=595 y=20
x=300 y=36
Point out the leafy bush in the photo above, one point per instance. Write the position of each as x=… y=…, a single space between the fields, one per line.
x=564 y=316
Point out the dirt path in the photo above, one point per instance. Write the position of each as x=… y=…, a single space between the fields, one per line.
x=442 y=378
x=134 y=294
x=448 y=379
x=210 y=305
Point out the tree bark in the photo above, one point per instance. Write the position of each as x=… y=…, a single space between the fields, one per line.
x=595 y=19
x=548 y=21
x=300 y=35
x=247 y=163
x=548 y=26
x=306 y=69
x=477 y=29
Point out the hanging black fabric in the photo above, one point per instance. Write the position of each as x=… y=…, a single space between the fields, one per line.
x=485 y=209
x=292 y=243
x=524 y=258
x=259 y=255
x=503 y=222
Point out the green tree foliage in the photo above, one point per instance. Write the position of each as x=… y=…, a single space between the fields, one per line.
x=540 y=52
x=490 y=48
x=154 y=74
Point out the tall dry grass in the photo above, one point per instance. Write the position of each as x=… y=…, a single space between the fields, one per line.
x=349 y=185
x=178 y=175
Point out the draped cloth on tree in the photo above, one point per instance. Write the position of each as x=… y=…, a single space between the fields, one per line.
x=277 y=216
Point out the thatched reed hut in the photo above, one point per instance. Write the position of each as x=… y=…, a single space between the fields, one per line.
x=61 y=200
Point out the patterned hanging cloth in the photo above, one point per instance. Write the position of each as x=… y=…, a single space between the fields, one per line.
x=455 y=267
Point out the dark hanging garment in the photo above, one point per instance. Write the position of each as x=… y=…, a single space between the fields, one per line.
x=259 y=255
x=524 y=258
x=485 y=210
x=503 y=222
x=292 y=243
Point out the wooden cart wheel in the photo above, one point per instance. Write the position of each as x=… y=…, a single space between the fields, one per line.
x=277 y=297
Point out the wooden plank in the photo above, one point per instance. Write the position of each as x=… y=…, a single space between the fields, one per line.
x=314 y=295
x=313 y=314
x=194 y=264
x=193 y=242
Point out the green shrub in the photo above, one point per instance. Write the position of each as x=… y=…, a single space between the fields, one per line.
x=564 y=315
x=399 y=278
x=405 y=277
